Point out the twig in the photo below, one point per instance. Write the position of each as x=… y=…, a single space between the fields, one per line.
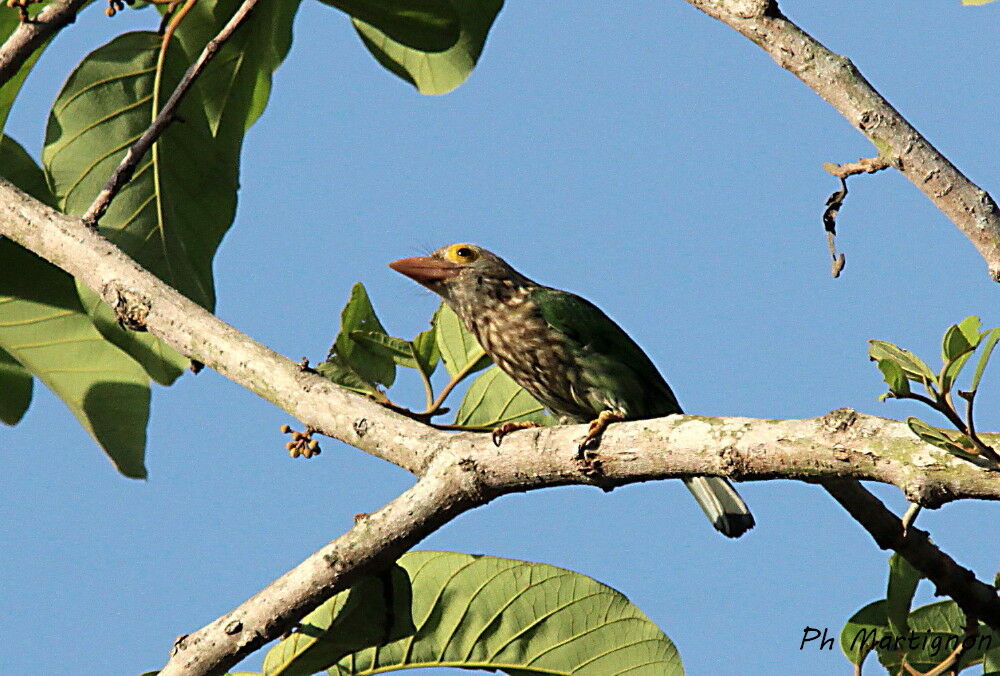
x=910 y=517
x=124 y=171
x=866 y=165
x=833 y=204
x=838 y=82
x=30 y=35
x=974 y=597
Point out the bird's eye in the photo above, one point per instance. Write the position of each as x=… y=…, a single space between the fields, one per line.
x=462 y=253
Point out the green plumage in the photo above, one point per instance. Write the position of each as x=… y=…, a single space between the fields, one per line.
x=565 y=351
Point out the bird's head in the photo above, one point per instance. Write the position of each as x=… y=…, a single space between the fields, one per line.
x=456 y=268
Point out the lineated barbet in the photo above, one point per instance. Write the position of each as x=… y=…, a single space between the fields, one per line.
x=566 y=352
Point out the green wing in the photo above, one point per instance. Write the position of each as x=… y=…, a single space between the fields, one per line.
x=615 y=366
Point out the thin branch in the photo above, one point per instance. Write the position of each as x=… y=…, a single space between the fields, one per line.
x=31 y=34
x=460 y=471
x=974 y=597
x=841 y=85
x=124 y=171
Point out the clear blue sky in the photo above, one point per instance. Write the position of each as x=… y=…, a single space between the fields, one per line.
x=641 y=155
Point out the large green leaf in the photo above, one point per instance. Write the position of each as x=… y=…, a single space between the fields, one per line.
x=424 y=25
x=494 y=398
x=15 y=388
x=459 y=349
x=43 y=326
x=435 y=72
x=173 y=214
x=477 y=612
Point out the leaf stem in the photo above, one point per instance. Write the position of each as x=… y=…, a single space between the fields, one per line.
x=424 y=377
x=435 y=405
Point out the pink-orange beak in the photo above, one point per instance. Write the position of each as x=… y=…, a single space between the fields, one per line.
x=425 y=269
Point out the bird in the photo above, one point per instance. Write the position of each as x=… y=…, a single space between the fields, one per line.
x=569 y=355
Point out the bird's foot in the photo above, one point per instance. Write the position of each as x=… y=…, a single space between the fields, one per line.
x=503 y=430
x=597 y=427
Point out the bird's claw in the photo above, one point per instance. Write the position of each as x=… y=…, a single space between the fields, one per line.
x=596 y=429
x=503 y=430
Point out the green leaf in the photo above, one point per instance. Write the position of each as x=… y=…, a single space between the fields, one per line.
x=44 y=328
x=494 y=398
x=864 y=630
x=955 y=443
x=435 y=72
x=938 y=627
x=374 y=611
x=903 y=580
x=15 y=388
x=422 y=25
x=970 y=328
x=976 y=2
x=929 y=434
x=477 y=612
x=397 y=349
x=991 y=662
x=421 y=353
x=894 y=377
x=359 y=315
x=989 y=342
x=951 y=371
x=173 y=213
x=912 y=365
x=955 y=342
x=234 y=88
x=20 y=169
x=426 y=348
x=458 y=347
x=342 y=374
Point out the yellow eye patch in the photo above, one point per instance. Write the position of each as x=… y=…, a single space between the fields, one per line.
x=461 y=253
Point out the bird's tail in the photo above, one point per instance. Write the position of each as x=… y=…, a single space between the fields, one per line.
x=722 y=504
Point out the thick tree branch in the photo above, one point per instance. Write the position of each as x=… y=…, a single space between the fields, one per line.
x=30 y=35
x=461 y=471
x=976 y=599
x=841 y=85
